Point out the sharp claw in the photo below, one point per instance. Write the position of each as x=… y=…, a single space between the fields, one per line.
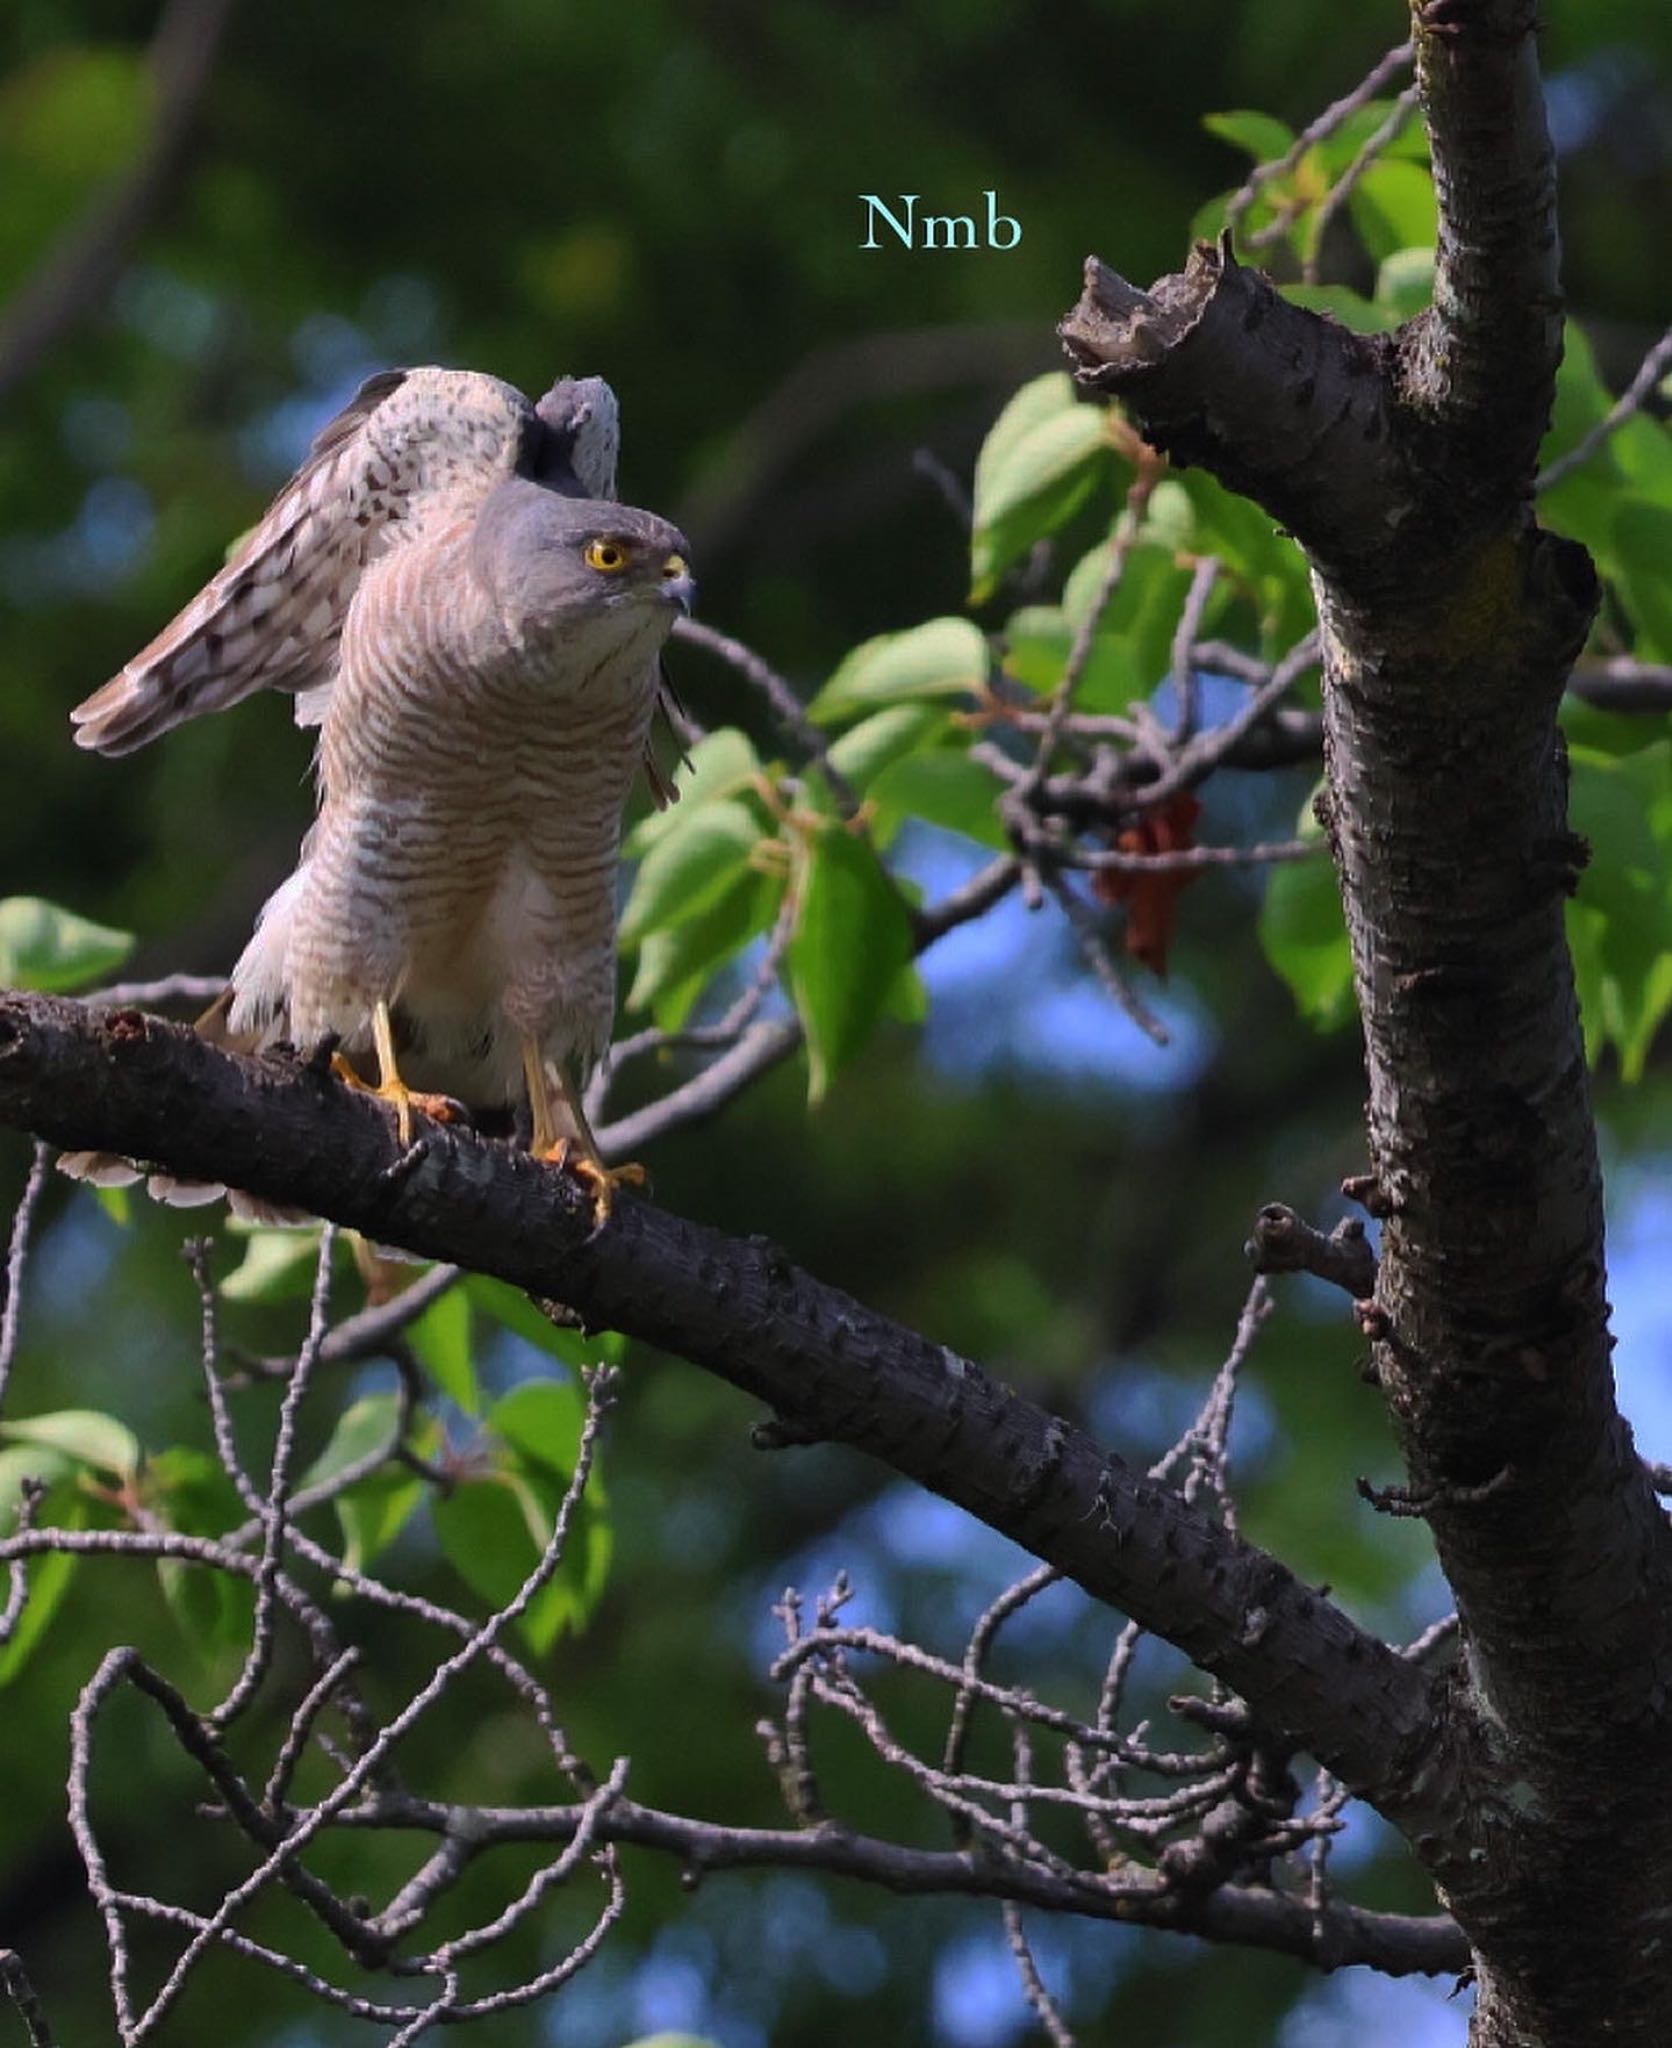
x=601 y=1179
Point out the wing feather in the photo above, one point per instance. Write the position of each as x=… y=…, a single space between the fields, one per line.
x=409 y=443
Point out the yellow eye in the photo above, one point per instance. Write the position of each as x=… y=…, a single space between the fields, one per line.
x=608 y=556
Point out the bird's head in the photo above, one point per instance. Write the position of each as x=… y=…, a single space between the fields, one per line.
x=555 y=565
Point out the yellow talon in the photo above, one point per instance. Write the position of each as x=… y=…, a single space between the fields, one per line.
x=390 y=1087
x=574 y=1147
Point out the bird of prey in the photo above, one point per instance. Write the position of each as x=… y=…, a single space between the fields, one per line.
x=450 y=590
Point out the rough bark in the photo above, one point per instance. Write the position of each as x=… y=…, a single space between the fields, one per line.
x=1449 y=623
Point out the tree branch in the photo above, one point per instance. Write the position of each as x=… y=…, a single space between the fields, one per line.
x=1449 y=622
x=829 y=1366
x=1251 y=1916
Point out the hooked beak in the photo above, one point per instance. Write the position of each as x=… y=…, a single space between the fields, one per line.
x=679 y=586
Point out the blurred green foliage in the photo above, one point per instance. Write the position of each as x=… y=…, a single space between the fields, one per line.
x=670 y=196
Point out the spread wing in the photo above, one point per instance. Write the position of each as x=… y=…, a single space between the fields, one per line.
x=410 y=445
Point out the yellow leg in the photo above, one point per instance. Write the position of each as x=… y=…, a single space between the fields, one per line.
x=575 y=1147
x=390 y=1087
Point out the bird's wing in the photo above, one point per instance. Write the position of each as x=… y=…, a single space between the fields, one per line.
x=577 y=452
x=408 y=444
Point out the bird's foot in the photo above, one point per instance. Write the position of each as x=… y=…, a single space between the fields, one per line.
x=441 y=1109
x=601 y=1179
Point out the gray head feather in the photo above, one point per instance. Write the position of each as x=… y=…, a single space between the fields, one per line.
x=529 y=549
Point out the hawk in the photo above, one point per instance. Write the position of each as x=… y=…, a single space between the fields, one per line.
x=475 y=626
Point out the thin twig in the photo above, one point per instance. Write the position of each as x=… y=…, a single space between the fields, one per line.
x=786 y=707
x=1333 y=117
x=17 y=1254
x=1342 y=190
x=1653 y=367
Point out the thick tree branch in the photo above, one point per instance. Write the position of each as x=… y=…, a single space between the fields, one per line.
x=829 y=1366
x=1483 y=359
x=1449 y=623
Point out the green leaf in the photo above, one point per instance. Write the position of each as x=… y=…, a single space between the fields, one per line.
x=279 y=1264
x=1036 y=468
x=688 y=870
x=851 y=940
x=543 y=1420
x=513 y=1311
x=441 y=1338
x=494 y=1528
x=84 y=1434
x=1643 y=551
x=49 y=1574
x=1343 y=304
x=1405 y=283
x=866 y=749
x=1305 y=936
x=945 y=788
x=723 y=763
x=944 y=657
x=374 y=1509
x=1262 y=136
x=1268 y=567
x=676 y=965
x=38 y=1461
x=365 y=1426
x=49 y=1581
x=1393 y=208
x=43 y=947
x=1620 y=923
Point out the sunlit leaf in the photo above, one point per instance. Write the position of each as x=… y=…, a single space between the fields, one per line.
x=279 y=1264
x=945 y=657
x=44 y=947
x=1036 y=468
x=675 y=965
x=1262 y=136
x=85 y=1434
x=1405 y=283
x=723 y=763
x=49 y=1581
x=1393 y=208
x=942 y=787
x=687 y=870
x=867 y=748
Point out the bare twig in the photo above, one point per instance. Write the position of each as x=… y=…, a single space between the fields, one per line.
x=786 y=707
x=1653 y=367
x=1319 y=130
x=17 y=1253
x=1398 y=119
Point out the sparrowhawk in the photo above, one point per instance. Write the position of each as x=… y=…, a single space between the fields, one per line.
x=476 y=628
